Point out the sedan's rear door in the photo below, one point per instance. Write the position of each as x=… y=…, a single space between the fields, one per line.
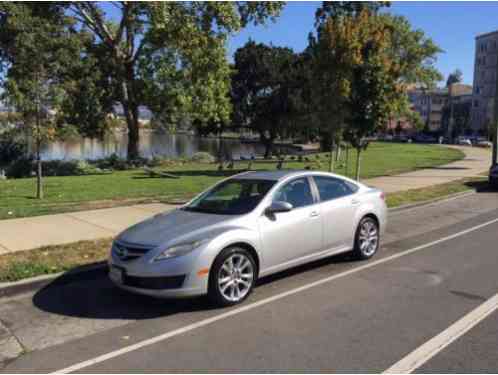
x=338 y=206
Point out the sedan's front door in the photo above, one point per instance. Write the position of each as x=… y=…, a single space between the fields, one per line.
x=287 y=236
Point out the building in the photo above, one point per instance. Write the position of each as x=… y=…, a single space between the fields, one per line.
x=485 y=82
x=431 y=104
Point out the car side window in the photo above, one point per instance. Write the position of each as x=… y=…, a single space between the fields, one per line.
x=332 y=188
x=297 y=192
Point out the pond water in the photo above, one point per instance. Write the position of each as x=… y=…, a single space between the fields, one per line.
x=151 y=144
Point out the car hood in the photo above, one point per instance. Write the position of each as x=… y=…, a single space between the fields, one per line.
x=171 y=226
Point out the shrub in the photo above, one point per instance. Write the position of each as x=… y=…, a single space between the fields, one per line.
x=11 y=149
x=23 y=167
x=203 y=157
x=26 y=167
x=112 y=162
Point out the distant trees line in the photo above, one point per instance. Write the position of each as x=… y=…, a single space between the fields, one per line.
x=171 y=57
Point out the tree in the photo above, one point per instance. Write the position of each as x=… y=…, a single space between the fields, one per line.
x=34 y=51
x=169 y=56
x=454 y=77
x=333 y=58
x=335 y=9
x=389 y=56
x=263 y=90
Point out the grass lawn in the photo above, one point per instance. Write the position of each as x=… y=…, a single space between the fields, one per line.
x=64 y=194
x=53 y=259
x=434 y=192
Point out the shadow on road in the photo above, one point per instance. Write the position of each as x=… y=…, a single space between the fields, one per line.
x=95 y=297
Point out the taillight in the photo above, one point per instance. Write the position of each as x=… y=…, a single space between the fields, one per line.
x=382 y=196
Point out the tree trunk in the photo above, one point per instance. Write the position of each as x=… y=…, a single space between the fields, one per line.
x=331 y=157
x=346 y=167
x=358 y=164
x=130 y=108
x=131 y=115
x=39 y=184
x=268 y=143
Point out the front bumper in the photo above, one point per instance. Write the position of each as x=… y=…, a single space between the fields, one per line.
x=175 y=277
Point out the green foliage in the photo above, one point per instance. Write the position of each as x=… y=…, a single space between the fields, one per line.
x=265 y=91
x=454 y=77
x=12 y=147
x=364 y=61
x=20 y=168
x=24 y=167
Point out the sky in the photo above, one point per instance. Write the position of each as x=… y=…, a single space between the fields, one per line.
x=452 y=25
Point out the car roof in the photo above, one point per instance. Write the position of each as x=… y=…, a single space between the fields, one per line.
x=269 y=175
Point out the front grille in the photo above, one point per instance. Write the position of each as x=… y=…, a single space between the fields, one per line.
x=128 y=252
x=156 y=283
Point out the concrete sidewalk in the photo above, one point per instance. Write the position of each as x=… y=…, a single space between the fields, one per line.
x=477 y=160
x=28 y=233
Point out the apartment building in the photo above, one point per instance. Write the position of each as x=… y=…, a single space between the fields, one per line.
x=430 y=104
x=485 y=82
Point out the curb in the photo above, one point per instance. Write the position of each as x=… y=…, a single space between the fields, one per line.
x=92 y=271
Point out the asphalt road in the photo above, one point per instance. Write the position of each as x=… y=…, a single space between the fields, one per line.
x=438 y=266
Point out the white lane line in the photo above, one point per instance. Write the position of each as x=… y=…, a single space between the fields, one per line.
x=251 y=306
x=432 y=347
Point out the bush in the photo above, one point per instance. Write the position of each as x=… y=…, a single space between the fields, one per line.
x=26 y=167
x=112 y=162
x=20 y=168
x=11 y=149
x=203 y=157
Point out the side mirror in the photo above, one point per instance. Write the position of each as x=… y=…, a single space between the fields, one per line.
x=278 y=206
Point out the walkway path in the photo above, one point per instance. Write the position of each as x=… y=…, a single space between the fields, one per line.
x=477 y=160
x=32 y=232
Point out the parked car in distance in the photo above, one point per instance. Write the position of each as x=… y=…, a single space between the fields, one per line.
x=245 y=227
x=493 y=176
x=422 y=138
x=485 y=144
x=464 y=142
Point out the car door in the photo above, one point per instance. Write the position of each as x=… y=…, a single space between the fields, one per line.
x=338 y=206
x=287 y=236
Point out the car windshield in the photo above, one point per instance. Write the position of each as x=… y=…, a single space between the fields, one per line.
x=232 y=197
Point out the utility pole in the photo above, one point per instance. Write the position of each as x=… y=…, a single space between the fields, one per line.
x=494 y=161
x=39 y=187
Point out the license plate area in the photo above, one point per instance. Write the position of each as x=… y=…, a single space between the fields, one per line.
x=116 y=274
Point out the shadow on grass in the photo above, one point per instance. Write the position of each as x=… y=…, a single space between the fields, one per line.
x=92 y=295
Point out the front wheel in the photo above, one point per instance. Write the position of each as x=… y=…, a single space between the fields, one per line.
x=367 y=238
x=232 y=277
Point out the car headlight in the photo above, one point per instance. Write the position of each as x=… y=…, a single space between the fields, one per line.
x=178 y=250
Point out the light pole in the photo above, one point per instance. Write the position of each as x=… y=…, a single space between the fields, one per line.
x=494 y=160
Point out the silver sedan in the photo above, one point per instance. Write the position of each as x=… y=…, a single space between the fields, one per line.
x=245 y=227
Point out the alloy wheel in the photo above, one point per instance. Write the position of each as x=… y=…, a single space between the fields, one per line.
x=368 y=238
x=235 y=277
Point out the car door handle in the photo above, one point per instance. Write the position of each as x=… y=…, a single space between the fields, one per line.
x=314 y=214
x=355 y=202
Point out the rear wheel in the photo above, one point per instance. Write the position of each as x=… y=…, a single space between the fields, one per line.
x=367 y=238
x=232 y=277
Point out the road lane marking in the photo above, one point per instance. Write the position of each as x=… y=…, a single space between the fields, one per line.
x=432 y=347
x=251 y=306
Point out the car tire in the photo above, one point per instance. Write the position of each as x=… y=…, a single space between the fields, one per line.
x=367 y=239
x=232 y=277
x=493 y=182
